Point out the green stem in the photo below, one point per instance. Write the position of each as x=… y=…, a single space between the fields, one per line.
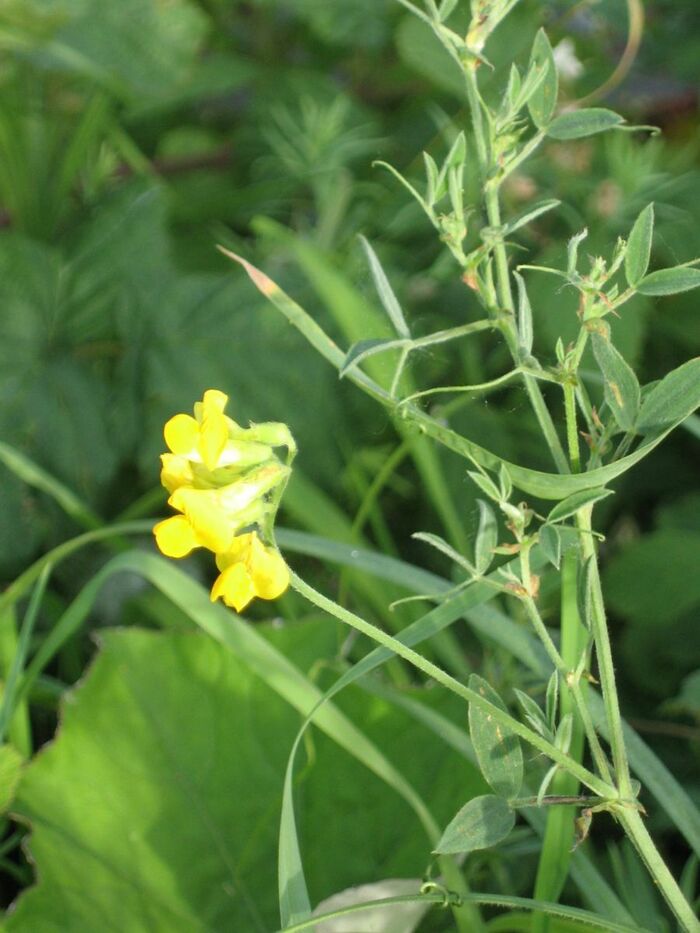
x=574 y=692
x=503 y=285
x=586 y=777
x=635 y=828
x=555 y=856
x=606 y=670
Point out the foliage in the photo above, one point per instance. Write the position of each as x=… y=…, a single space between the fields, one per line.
x=133 y=138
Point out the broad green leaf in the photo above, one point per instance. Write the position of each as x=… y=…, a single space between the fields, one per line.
x=677 y=395
x=639 y=246
x=481 y=823
x=550 y=542
x=622 y=392
x=385 y=291
x=497 y=748
x=579 y=123
x=669 y=281
x=486 y=537
x=578 y=500
x=199 y=853
x=544 y=101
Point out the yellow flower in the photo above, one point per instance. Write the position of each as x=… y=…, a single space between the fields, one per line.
x=219 y=477
x=249 y=569
x=212 y=438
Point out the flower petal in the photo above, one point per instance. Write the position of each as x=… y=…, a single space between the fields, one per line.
x=181 y=434
x=175 y=536
x=234 y=586
x=211 y=523
x=269 y=571
x=176 y=472
x=214 y=400
x=213 y=436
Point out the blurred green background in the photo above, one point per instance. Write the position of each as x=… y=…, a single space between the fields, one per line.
x=136 y=136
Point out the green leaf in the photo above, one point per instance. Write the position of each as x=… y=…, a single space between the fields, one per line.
x=544 y=100
x=486 y=485
x=639 y=246
x=525 y=328
x=587 y=122
x=486 y=537
x=569 y=506
x=669 y=281
x=497 y=748
x=533 y=713
x=672 y=399
x=622 y=392
x=364 y=348
x=481 y=823
x=386 y=292
x=550 y=542
x=534 y=482
x=529 y=215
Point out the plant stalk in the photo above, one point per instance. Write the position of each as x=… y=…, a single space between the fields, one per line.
x=503 y=286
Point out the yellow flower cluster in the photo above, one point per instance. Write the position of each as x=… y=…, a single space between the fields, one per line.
x=220 y=477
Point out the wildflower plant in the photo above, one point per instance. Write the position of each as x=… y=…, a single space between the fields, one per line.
x=222 y=479
x=579 y=732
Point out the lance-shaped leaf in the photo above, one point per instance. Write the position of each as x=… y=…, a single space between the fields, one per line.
x=497 y=748
x=569 y=506
x=385 y=292
x=486 y=537
x=584 y=584
x=481 y=823
x=669 y=281
x=639 y=246
x=622 y=392
x=533 y=713
x=550 y=543
x=543 y=101
x=587 y=122
x=535 y=211
x=677 y=394
x=365 y=348
x=525 y=328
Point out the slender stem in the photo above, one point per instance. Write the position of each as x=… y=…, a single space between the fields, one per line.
x=573 y=684
x=503 y=285
x=636 y=829
x=604 y=655
x=586 y=777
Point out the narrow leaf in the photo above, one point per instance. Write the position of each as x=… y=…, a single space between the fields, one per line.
x=543 y=101
x=497 y=748
x=550 y=542
x=583 y=593
x=385 y=292
x=676 y=396
x=579 y=123
x=639 y=246
x=486 y=485
x=622 y=392
x=562 y=739
x=446 y=8
x=529 y=215
x=569 y=506
x=572 y=250
x=669 y=281
x=441 y=545
x=534 y=714
x=363 y=348
x=431 y=172
x=486 y=538
x=525 y=328
x=552 y=699
x=481 y=823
